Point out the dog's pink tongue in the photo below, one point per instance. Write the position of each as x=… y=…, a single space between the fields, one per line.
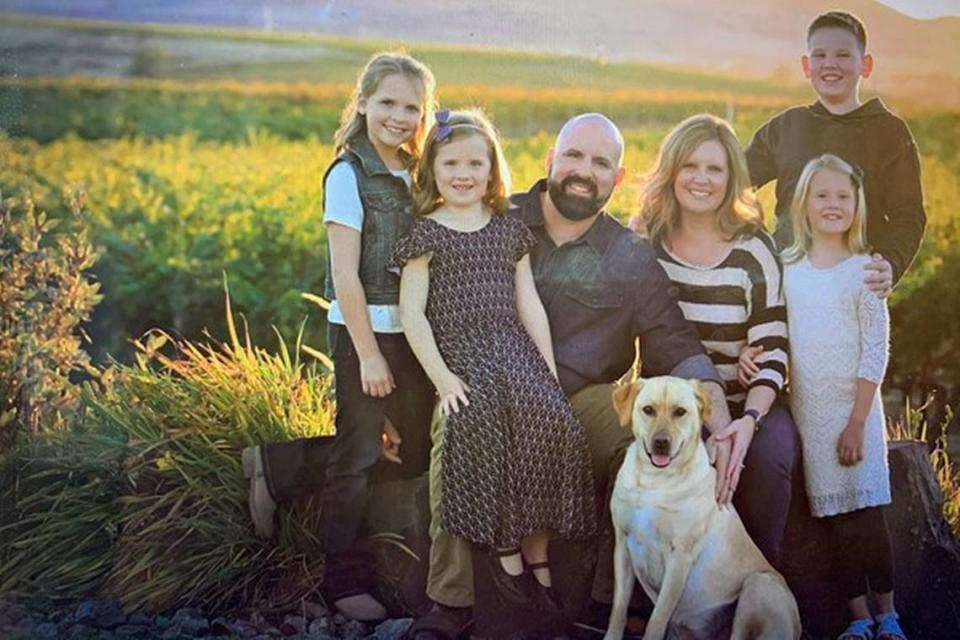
x=661 y=459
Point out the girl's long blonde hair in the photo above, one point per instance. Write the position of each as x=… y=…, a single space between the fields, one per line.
x=739 y=215
x=461 y=124
x=381 y=65
x=802 y=233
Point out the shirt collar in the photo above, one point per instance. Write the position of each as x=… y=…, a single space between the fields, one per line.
x=530 y=211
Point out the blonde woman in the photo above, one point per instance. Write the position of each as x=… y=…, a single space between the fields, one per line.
x=701 y=216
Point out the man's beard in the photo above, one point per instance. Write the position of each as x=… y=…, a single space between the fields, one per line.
x=574 y=206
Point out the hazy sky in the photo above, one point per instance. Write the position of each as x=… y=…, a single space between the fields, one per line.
x=925 y=8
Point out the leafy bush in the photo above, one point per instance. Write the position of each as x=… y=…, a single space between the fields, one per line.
x=171 y=216
x=97 y=108
x=145 y=500
x=45 y=293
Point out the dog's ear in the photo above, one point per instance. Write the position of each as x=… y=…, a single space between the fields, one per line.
x=704 y=403
x=623 y=397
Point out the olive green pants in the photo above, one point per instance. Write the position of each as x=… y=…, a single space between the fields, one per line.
x=450 y=579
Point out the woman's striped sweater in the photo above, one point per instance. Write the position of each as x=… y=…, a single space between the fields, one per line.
x=734 y=303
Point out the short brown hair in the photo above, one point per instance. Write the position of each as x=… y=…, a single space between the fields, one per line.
x=841 y=20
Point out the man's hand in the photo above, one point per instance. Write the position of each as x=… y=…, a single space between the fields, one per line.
x=879 y=278
x=391 y=442
x=737 y=437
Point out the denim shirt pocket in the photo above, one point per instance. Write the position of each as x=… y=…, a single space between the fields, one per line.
x=595 y=299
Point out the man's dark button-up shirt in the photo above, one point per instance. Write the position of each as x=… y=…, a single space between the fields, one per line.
x=601 y=292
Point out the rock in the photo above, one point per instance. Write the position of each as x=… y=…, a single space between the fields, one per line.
x=245 y=629
x=191 y=622
x=46 y=631
x=314 y=610
x=298 y=623
x=140 y=619
x=926 y=556
x=391 y=629
x=103 y=614
x=352 y=630
x=131 y=631
x=80 y=632
x=321 y=627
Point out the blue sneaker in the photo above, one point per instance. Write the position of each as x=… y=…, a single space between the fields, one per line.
x=861 y=629
x=888 y=628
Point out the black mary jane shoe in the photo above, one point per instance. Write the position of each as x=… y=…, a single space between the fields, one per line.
x=511 y=589
x=547 y=599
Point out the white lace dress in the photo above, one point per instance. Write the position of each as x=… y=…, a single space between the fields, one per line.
x=839 y=332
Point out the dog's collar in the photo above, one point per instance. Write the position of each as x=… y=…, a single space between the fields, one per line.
x=643 y=443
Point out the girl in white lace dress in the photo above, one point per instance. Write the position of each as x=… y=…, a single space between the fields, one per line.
x=838 y=336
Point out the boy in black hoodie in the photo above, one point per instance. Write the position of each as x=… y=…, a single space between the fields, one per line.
x=865 y=134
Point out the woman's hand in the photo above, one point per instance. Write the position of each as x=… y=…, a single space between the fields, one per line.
x=453 y=393
x=850 y=444
x=741 y=432
x=375 y=376
x=747 y=368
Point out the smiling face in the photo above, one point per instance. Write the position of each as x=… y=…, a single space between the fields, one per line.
x=462 y=170
x=831 y=204
x=666 y=414
x=834 y=65
x=700 y=185
x=584 y=168
x=393 y=113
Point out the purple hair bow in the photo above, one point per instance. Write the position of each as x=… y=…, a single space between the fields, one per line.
x=443 y=125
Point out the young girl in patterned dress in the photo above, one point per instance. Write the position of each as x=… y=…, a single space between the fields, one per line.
x=838 y=337
x=515 y=468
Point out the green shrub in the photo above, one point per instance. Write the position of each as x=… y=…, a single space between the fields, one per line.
x=145 y=499
x=45 y=293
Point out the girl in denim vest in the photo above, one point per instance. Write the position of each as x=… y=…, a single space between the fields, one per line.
x=367 y=206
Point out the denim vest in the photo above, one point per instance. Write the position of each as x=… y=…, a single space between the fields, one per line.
x=387 y=215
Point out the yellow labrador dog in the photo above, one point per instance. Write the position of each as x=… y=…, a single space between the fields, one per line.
x=693 y=558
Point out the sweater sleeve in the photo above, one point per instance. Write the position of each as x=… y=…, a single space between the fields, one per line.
x=874 y=322
x=903 y=208
x=761 y=155
x=767 y=324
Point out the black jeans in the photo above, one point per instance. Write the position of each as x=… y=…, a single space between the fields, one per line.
x=862 y=555
x=357 y=445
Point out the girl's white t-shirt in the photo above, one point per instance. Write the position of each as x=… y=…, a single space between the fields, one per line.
x=343 y=206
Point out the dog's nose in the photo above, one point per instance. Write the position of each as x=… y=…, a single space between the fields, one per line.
x=661 y=444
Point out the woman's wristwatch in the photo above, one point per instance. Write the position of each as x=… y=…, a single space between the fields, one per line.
x=753 y=413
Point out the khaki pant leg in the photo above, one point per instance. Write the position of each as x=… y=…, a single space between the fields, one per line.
x=608 y=441
x=605 y=437
x=450 y=578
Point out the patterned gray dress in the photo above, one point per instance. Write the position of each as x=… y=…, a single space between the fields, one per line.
x=515 y=461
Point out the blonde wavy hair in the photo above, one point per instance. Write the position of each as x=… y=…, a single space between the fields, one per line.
x=802 y=233
x=739 y=215
x=381 y=65
x=459 y=125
